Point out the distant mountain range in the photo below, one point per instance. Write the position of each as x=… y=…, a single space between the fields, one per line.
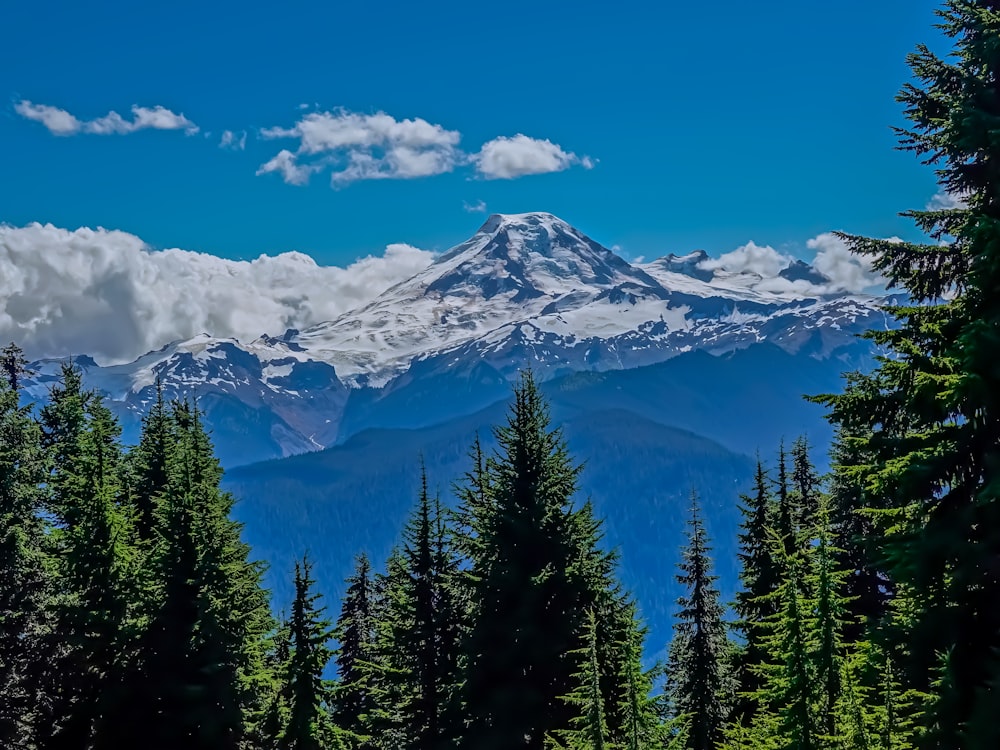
x=526 y=290
x=667 y=376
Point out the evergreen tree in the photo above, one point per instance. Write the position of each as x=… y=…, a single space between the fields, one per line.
x=805 y=488
x=423 y=621
x=532 y=577
x=24 y=582
x=924 y=424
x=197 y=677
x=759 y=578
x=589 y=729
x=826 y=581
x=309 y=654
x=13 y=366
x=353 y=697
x=149 y=462
x=90 y=599
x=867 y=590
x=641 y=726
x=699 y=679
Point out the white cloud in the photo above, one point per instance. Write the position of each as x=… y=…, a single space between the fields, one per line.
x=379 y=147
x=286 y=164
x=943 y=199
x=366 y=147
x=60 y=122
x=233 y=141
x=761 y=266
x=105 y=293
x=479 y=207
x=762 y=260
x=847 y=272
x=506 y=158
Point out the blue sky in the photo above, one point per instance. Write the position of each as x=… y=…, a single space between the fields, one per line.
x=704 y=125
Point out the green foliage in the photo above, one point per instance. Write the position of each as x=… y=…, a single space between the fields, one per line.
x=353 y=699
x=25 y=581
x=308 y=654
x=922 y=429
x=535 y=569
x=698 y=678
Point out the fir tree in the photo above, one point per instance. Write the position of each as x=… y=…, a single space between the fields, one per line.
x=589 y=729
x=197 y=678
x=805 y=488
x=868 y=590
x=788 y=695
x=308 y=655
x=149 y=464
x=24 y=582
x=826 y=581
x=759 y=578
x=924 y=425
x=533 y=563
x=13 y=366
x=698 y=679
x=90 y=599
x=353 y=699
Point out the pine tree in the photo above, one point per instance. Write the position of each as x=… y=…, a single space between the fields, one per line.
x=788 y=696
x=826 y=582
x=867 y=589
x=149 y=464
x=805 y=488
x=197 y=676
x=759 y=578
x=421 y=652
x=13 y=366
x=24 y=582
x=353 y=698
x=924 y=423
x=309 y=654
x=698 y=679
x=532 y=576
x=90 y=599
x=641 y=726
x=589 y=728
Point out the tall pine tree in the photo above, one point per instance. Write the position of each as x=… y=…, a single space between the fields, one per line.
x=534 y=559
x=699 y=681
x=925 y=426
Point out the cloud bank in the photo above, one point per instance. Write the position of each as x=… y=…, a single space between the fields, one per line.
x=105 y=293
x=60 y=122
x=355 y=147
x=761 y=267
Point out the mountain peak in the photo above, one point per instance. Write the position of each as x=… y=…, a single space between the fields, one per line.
x=531 y=219
x=529 y=255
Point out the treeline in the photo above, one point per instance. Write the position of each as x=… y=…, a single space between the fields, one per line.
x=134 y=617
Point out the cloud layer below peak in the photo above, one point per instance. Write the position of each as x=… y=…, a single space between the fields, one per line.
x=105 y=293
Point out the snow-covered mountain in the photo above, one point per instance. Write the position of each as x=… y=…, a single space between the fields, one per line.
x=527 y=290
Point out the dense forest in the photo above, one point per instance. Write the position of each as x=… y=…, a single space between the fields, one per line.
x=132 y=614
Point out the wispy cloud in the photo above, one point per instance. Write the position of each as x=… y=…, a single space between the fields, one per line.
x=355 y=147
x=507 y=158
x=943 y=199
x=233 y=141
x=479 y=207
x=60 y=122
x=107 y=294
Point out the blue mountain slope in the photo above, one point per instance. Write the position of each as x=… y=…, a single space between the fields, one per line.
x=355 y=497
